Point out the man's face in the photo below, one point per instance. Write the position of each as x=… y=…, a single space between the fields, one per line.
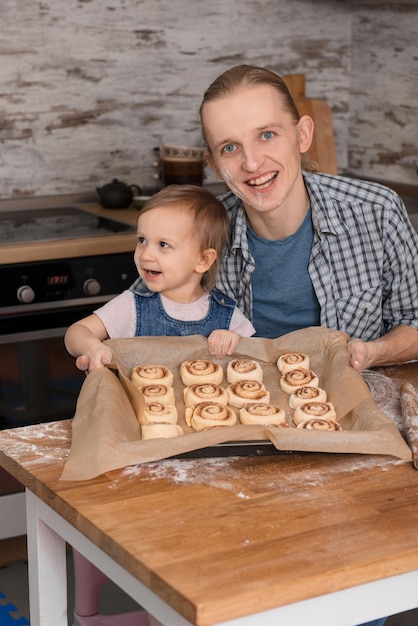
x=255 y=146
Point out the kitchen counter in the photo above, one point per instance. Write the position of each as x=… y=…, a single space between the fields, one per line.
x=78 y=246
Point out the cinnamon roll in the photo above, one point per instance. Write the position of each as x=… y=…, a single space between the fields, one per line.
x=155 y=392
x=319 y=424
x=311 y=410
x=299 y=377
x=145 y=374
x=243 y=369
x=245 y=391
x=200 y=371
x=305 y=394
x=206 y=415
x=157 y=413
x=292 y=360
x=204 y=392
x=161 y=431
x=255 y=413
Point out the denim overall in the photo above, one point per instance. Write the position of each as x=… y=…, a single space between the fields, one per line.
x=152 y=319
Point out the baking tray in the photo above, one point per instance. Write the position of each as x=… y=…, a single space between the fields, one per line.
x=234 y=448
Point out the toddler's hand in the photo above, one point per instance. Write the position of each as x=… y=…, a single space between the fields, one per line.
x=94 y=360
x=222 y=343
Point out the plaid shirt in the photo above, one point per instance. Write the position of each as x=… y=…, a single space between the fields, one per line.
x=363 y=263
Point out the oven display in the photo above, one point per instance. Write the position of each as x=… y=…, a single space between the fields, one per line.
x=58 y=279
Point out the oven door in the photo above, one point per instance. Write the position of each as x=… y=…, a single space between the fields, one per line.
x=39 y=381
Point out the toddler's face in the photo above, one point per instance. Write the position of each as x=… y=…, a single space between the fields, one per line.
x=168 y=252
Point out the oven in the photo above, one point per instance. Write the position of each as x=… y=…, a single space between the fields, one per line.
x=38 y=378
x=40 y=298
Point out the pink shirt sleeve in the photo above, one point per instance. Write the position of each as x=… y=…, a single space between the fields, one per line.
x=240 y=324
x=119 y=316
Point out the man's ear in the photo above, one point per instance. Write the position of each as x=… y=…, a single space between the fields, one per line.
x=210 y=161
x=305 y=129
x=207 y=258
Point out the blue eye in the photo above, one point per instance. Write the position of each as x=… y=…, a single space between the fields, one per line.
x=228 y=148
x=267 y=134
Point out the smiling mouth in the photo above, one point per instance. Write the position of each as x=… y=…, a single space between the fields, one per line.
x=262 y=182
x=150 y=272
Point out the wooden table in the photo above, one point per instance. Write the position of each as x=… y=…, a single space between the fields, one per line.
x=314 y=539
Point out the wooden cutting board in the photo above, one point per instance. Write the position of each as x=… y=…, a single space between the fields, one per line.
x=322 y=150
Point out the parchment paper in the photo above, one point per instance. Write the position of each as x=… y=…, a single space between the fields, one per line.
x=106 y=434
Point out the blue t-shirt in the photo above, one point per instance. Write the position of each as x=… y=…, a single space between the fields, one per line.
x=283 y=295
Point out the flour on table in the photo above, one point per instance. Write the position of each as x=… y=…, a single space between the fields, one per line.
x=217 y=472
x=41 y=445
x=226 y=473
x=385 y=392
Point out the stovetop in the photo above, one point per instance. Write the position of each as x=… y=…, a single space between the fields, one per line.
x=60 y=223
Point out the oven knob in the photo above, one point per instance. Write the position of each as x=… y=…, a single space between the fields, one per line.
x=91 y=287
x=25 y=294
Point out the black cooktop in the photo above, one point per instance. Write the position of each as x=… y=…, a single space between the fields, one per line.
x=69 y=222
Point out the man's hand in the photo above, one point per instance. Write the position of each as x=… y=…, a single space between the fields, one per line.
x=359 y=352
x=398 y=346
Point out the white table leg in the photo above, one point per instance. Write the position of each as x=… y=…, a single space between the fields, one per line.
x=48 y=533
x=47 y=570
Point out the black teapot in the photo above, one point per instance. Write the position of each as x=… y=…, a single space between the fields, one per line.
x=117 y=195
